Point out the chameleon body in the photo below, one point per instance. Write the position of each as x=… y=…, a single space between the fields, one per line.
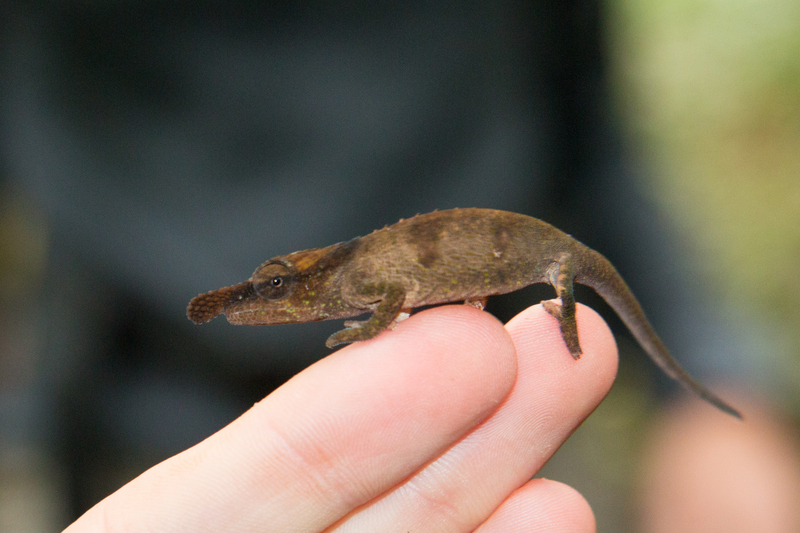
x=435 y=258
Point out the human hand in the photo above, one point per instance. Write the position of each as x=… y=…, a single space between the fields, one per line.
x=438 y=425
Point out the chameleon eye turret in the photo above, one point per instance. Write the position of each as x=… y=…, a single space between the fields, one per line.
x=273 y=281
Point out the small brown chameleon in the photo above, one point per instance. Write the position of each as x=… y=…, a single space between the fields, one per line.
x=439 y=257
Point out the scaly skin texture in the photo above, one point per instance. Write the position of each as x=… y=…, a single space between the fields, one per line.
x=439 y=257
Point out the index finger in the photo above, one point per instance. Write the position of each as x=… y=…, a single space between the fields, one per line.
x=337 y=435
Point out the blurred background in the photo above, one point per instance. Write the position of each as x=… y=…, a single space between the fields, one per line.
x=151 y=151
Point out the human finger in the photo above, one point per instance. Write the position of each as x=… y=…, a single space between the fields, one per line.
x=337 y=435
x=553 y=394
x=542 y=505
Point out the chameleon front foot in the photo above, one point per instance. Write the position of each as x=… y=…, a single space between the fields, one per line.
x=354 y=332
x=388 y=311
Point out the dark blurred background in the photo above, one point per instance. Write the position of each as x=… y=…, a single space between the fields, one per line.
x=155 y=150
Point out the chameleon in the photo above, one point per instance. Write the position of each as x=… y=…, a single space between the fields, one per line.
x=445 y=256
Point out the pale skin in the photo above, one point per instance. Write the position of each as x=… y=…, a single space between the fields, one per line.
x=437 y=425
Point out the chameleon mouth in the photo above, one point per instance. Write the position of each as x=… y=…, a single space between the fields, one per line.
x=204 y=307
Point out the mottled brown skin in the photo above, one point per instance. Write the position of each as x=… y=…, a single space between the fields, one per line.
x=439 y=257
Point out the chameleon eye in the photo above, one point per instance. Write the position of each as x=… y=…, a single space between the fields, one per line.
x=273 y=281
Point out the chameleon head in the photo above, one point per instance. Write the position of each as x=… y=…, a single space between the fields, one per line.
x=300 y=287
x=249 y=301
x=269 y=300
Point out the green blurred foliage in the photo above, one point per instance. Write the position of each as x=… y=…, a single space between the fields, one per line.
x=709 y=91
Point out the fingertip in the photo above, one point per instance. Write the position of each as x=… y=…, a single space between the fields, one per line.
x=542 y=505
x=538 y=339
x=554 y=391
x=560 y=503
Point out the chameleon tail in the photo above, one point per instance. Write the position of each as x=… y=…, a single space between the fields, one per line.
x=597 y=272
